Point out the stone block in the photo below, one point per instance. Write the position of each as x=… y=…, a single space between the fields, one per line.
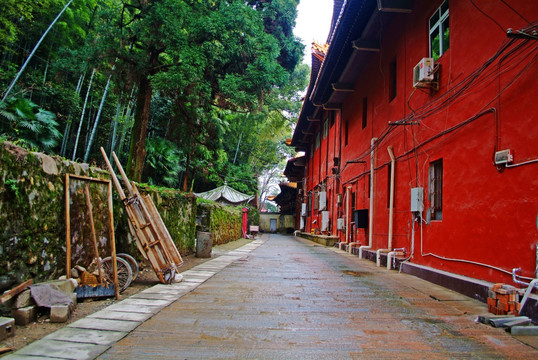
x=24 y=299
x=59 y=313
x=25 y=315
x=7 y=327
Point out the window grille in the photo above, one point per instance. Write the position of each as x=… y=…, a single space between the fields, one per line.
x=436 y=189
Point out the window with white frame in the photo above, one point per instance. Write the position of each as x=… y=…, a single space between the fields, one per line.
x=439 y=32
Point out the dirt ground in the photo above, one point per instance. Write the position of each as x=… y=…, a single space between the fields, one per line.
x=24 y=335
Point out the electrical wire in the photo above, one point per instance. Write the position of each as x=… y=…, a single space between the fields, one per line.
x=489 y=17
x=514 y=10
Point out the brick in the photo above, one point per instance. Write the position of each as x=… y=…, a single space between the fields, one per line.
x=7 y=327
x=492 y=302
x=59 y=313
x=25 y=315
x=504 y=306
x=492 y=294
x=497 y=286
x=503 y=299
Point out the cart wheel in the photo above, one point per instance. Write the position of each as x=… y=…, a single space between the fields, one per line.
x=125 y=274
x=132 y=262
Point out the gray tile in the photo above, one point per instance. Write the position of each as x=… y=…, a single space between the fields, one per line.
x=120 y=315
x=88 y=336
x=131 y=301
x=60 y=350
x=147 y=309
x=105 y=324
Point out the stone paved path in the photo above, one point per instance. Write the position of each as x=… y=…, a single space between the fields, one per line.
x=281 y=297
x=292 y=299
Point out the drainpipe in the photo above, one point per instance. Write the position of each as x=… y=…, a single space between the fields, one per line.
x=391 y=212
x=347 y=214
x=371 y=212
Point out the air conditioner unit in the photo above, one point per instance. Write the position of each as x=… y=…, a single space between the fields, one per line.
x=423 y=72
x=322 y=200
x=503 y=157
x=340 y=224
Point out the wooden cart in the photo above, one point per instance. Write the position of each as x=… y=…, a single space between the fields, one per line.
x=147 y=227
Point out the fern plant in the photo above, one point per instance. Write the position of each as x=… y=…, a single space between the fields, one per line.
x=25 y=123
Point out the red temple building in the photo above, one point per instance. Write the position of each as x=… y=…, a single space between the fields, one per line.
x=419 y=130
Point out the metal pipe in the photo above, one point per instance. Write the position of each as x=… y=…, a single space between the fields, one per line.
x=371 y=210
x=348 y=196
x=532 y=285
x=391 y=200
x=391 y=214
x=515 y=279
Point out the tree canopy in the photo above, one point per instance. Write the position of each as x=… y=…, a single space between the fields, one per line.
x=189 y=93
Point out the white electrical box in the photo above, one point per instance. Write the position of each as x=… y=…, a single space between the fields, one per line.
x=503 y=157
x=322 y=196
x=423 y=72
x=303 y=209
x=324 y=220
x=340 y=224
x=417 y=199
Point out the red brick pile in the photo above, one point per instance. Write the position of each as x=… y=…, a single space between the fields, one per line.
x=503 y=300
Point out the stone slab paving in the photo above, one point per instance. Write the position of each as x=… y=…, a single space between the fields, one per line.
x=52 y=349
x=105 y=324
x=91 y=336
x=120 y=315
x=292 y=299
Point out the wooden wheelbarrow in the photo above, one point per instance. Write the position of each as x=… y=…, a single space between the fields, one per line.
x=147 y=227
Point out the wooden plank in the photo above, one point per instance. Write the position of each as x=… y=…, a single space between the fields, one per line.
x=123 y=175
x=67 y=228
x=113 y=176
x=112 y=239
x=10 y=294
x=92 y=229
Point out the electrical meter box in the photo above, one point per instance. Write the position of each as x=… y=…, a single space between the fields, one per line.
x=322 y=200
x=324 y=220
x=417 y=199
x=340 y=224
x=303 y=209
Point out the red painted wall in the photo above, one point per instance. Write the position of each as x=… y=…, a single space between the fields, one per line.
x=489 y=214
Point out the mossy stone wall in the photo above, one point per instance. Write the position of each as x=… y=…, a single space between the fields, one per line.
x=32 y=214
x=224 y=222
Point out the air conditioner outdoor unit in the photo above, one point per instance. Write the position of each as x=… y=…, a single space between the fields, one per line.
x=423 y=72
x=503 y=157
